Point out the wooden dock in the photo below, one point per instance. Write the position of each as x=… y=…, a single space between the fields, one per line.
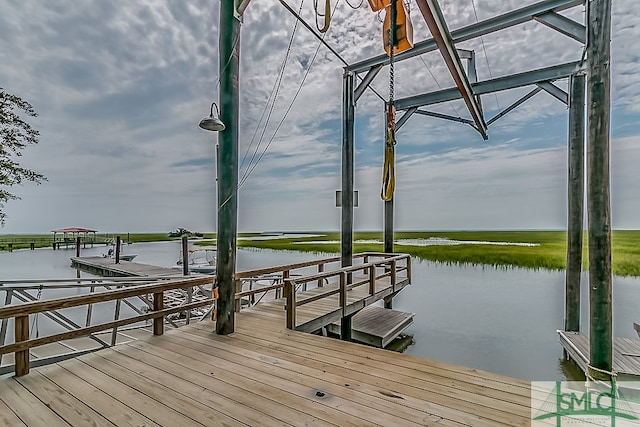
x=626 y=354
x=107 y=267
x=319 y=306
x=263 y=374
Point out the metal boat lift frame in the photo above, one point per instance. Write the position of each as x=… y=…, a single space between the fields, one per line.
x=596 y=41
x=596 y=49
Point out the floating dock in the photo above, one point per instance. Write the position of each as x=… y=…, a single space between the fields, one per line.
x=376 y=326
x=107 y=267
x=626 y=354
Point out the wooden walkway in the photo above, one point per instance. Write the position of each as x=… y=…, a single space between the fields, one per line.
x=107 y=267
x=323 y=310
x=626 y=354
x=263 y=374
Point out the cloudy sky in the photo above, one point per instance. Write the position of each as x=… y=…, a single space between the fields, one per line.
x=121 y=85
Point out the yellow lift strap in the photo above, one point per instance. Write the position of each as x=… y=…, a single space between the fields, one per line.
x=388 y=169
x=326 y=15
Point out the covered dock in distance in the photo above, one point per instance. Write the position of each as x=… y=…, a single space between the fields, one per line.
x=69 y=237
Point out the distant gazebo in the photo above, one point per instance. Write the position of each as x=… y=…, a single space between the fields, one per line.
x=70 y=235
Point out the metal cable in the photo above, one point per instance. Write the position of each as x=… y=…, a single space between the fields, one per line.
x=453 y=107
x=486 y=57
x=272 y=100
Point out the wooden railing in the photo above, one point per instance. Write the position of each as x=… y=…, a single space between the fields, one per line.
x=392 y=266
x=20 y=314
x=280 y=274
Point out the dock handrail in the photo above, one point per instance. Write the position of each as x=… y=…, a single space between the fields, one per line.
x=20 y=314
x=283 y=271
x=390 y=262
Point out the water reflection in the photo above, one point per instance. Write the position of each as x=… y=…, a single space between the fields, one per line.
x=500 y=320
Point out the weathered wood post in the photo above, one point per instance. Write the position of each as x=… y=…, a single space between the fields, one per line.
x=158 y=305
x=78 y=246
x=21 y=331
x=372 y=279
x=345 y=322
x=598 y=197
x=185 y=256
x=290 y=295
x=575 y=202
x=185 y=272
x=320 y=270
x=229 y=54
x=118 y=243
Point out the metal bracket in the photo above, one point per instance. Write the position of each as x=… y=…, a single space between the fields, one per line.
x=443 y=39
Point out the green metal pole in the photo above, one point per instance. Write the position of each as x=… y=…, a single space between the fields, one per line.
x=229 y=55
x=598 y=197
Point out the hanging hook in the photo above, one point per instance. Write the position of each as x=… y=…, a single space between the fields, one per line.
x=327 y=15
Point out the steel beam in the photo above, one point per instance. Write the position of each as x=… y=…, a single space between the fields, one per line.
x=348 y=127
x=469 y=32
x=445 y=116
x=366 y=81
x=494 y=85
x=514 y=105
x=442 y=37
x=564 y=25
x=407 y=114
x=555 y=91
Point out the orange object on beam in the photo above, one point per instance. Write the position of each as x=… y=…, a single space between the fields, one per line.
x=376 y=5
x=404 y=33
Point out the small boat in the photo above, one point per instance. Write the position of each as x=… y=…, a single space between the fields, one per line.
x=111 y=253
x=200 y=260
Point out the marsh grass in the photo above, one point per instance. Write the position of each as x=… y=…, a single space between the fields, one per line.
x=550 y=252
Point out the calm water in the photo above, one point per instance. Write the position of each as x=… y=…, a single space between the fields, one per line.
x=500 y=320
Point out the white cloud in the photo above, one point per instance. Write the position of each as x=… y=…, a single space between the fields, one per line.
x=120 y=87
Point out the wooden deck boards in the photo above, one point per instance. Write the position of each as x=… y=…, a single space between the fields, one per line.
x=108 y=267
x=263 y=374
x=626 y=352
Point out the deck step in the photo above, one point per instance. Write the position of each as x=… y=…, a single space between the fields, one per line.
x=376 y=326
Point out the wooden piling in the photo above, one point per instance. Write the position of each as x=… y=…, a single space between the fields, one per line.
x=575 y=202
x=118 y=242
x=158 y=305
x=78 y=247
x=185 y=255
x=227 y=163
x=598 y=176
x=22 y=334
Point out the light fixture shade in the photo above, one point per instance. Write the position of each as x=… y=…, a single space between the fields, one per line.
x=213 y=122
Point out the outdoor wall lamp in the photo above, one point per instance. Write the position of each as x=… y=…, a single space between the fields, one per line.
x=213 y=122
